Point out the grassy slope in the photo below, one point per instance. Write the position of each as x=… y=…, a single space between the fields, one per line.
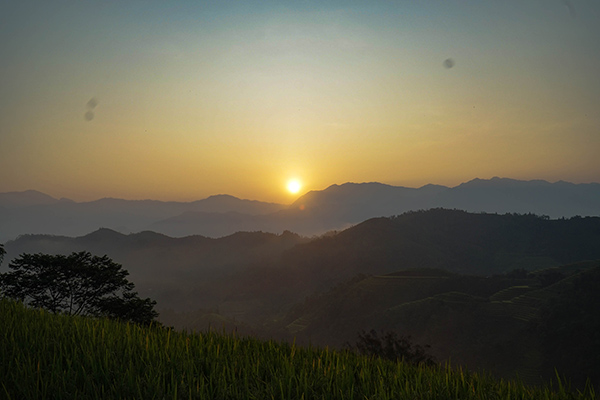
x=48 y=356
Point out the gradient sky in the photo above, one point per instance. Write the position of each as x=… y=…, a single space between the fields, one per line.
x=179 y=100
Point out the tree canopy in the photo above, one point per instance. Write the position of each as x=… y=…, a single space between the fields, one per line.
x=78 y=284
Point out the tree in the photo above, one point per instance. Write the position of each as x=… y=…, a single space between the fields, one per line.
x=2 y=253
x=390 y=346
x=78 y=284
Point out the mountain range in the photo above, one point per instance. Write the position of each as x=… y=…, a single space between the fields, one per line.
x=334 y=208
x=251 y=273
x=490 y=291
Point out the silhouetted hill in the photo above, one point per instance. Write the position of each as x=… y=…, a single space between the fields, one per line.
x=367 y=198
x=360 y=201
x=35 y=213
x=211 y=224
x=341 y=206
x=180 y=273
x=27 y=198
x=457 y=241
x=250 y=265
x=335 y=208
x=501 y=195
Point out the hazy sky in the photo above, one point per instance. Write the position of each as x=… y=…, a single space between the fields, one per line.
x=179 y=100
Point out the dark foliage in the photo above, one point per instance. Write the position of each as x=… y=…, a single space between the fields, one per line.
x=78 y=284
x=2 y=253
x=452 y=240
x=390 y=346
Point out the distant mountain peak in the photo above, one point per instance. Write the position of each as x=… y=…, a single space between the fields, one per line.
x=222 y=196
x=25 y=198
x=364 y=184
x=103 y=234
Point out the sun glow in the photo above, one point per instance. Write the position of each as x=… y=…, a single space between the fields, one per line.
x=294 y=186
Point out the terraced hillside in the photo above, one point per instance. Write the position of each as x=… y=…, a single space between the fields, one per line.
x=482 y=323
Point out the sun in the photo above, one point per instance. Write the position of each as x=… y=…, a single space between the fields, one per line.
x=294 y=186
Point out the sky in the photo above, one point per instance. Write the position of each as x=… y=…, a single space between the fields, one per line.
x=180 y=100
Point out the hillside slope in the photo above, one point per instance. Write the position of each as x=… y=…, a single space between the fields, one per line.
x=520 y=324
x=56 y=356
x=457 y=241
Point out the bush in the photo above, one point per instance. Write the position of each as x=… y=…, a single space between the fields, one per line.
x=390 y=346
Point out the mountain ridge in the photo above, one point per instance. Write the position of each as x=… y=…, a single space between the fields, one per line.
x=316 y=212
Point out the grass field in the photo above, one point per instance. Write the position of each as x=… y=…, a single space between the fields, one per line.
x=46 y=356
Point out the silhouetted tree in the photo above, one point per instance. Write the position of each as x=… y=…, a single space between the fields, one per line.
x=390 y=346
x=78 y=284
x=2 y=253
